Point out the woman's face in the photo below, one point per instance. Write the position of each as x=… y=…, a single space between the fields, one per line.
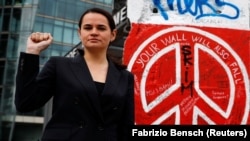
x=95 y=31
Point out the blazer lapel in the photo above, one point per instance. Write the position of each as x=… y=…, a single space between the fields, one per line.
x=112 y=79
x=82 y=73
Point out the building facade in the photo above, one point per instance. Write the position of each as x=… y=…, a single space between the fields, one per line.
x=18 y=19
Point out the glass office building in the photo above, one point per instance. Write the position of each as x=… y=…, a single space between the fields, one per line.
x=18 y=19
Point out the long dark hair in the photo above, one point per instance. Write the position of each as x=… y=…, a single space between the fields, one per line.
x=117 y=61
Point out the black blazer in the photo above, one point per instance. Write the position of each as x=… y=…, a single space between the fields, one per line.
x=79 y=113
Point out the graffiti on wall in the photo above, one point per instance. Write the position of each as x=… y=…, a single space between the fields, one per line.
x=191 y=61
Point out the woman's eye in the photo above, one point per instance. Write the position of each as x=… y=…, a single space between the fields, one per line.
x=102 y=28
x=87 y=28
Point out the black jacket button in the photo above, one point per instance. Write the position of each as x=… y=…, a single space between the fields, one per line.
x=76 y=100
x=81 y=124
x=100 y=128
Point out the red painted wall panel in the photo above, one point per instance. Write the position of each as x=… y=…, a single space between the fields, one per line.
x=189 y=74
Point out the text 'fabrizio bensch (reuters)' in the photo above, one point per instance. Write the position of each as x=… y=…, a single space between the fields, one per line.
x=213 y=132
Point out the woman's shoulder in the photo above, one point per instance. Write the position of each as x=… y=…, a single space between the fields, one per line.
x=127 y=72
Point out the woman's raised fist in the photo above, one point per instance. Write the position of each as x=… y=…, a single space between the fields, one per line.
x=38 y=42
x=38 y=37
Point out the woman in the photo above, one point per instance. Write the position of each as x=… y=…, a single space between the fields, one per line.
x=92 y=95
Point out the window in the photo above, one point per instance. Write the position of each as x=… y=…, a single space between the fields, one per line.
x=15 y=21
x=58 y=31
x=68 y=33
x=47 y=7
x=6 y=19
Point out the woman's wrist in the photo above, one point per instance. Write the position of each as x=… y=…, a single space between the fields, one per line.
x=32 y=51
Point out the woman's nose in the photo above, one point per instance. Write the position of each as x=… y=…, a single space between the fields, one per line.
x=94 y=31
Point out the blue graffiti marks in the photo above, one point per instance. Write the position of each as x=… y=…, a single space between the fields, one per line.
x=196 y=8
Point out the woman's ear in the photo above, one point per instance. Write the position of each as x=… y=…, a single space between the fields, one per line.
x=113 y=35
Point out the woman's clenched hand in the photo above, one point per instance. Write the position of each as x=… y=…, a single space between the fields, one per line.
x=38 y=42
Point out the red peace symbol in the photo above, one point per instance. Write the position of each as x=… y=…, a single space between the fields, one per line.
x=185 y=75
